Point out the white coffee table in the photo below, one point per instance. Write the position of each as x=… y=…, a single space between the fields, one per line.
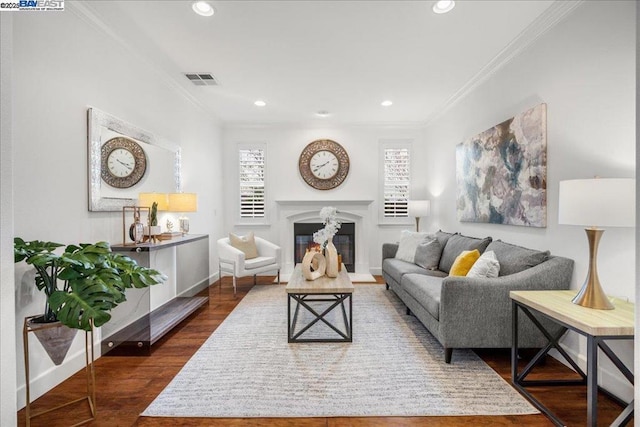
x=304 y=293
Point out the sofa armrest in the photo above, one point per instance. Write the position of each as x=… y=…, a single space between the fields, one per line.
x=478 y=310
x=389 y=250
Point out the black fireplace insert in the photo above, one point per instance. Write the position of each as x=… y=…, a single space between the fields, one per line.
x=344 y=241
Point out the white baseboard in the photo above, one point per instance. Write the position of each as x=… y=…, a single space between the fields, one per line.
x=55 y=375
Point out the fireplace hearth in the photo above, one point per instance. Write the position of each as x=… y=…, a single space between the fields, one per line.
x=344 y=241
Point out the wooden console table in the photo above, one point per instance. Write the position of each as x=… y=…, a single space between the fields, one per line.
x=597 y=326
x=149 y=313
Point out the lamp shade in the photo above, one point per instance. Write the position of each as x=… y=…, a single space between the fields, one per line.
x=598 y=202
x=419 y=208
x=147 y=199
x=183 y=202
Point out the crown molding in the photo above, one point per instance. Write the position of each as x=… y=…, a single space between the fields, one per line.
x=89 y=15
x=241 y=125
x=548 y=19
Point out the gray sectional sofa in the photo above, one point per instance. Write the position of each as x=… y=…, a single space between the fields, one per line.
x=465 y=312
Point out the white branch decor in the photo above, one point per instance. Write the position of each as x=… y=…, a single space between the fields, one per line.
x=329 y=217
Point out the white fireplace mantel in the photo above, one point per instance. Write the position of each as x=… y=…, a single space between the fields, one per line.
x=356 y=211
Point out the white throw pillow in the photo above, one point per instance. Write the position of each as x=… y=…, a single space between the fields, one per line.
x=486 y=266
x=246 y=244
x=409 y=241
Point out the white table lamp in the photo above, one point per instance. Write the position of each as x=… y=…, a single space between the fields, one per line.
x=418 y=209
x=147 y=199
x=183 y=202
x=606 y=202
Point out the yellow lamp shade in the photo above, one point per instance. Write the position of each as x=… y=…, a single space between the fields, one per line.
x=147 y=199
x=183 y=202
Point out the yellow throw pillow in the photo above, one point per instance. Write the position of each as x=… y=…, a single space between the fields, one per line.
x=464 y=262
x=246 y=244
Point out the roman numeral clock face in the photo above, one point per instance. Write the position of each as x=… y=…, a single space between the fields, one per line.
x=124 y=162
x=324 y=164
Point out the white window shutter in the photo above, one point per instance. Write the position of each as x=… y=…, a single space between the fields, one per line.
x=396 y=182
x=252 y=171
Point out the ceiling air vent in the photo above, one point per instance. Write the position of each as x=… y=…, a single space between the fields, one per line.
x=202 y=79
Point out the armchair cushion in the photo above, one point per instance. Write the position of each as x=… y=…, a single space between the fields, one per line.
x=246 y=244
x=259 y=261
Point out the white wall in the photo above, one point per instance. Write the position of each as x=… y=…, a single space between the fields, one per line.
x=7 y=295
x=283 y=180
x=584 y=70
x=637 y=340
x=62 y=66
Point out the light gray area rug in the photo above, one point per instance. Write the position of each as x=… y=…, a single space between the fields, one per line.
x=394 y=367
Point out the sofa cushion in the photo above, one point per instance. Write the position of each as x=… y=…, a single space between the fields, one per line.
x=409 y=241
x=442 y=237
x=514 y=259
x=486 y=266
x=428 y=254
x=426 y=290
x=464 y=262
x=396 y=268
x=458 y=243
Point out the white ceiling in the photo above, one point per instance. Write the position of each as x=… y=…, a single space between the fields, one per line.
x=345 y=57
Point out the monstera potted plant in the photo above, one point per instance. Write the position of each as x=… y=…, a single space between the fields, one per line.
x=82 y=284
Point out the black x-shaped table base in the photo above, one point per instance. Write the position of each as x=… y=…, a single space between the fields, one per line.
x=589 y=378
x=337 y=300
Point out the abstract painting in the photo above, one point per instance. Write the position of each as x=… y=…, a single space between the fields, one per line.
x=501 y=173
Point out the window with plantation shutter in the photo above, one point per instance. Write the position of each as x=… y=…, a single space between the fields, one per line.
x=252 y=172
x=396 y=182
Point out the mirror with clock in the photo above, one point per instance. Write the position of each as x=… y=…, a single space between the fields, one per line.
x=124 y=161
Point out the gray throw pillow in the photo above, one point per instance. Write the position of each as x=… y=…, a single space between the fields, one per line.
x=458 y=243
x=428 y=254
x=514 y=259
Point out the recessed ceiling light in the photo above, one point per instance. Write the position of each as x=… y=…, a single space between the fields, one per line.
x=386 y=103
x=323 y=113
x=202 y=8
x=259 y=103
x=444 y=6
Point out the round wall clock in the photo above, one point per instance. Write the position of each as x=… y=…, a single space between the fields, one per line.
x=324 y=164
x=123 y=162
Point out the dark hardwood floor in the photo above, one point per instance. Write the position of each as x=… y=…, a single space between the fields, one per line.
x=127 y=385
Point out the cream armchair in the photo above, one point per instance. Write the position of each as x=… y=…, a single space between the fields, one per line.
x=232 y=260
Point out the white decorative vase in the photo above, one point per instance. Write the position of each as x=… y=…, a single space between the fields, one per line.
x=331 y=254
x=313 y=265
